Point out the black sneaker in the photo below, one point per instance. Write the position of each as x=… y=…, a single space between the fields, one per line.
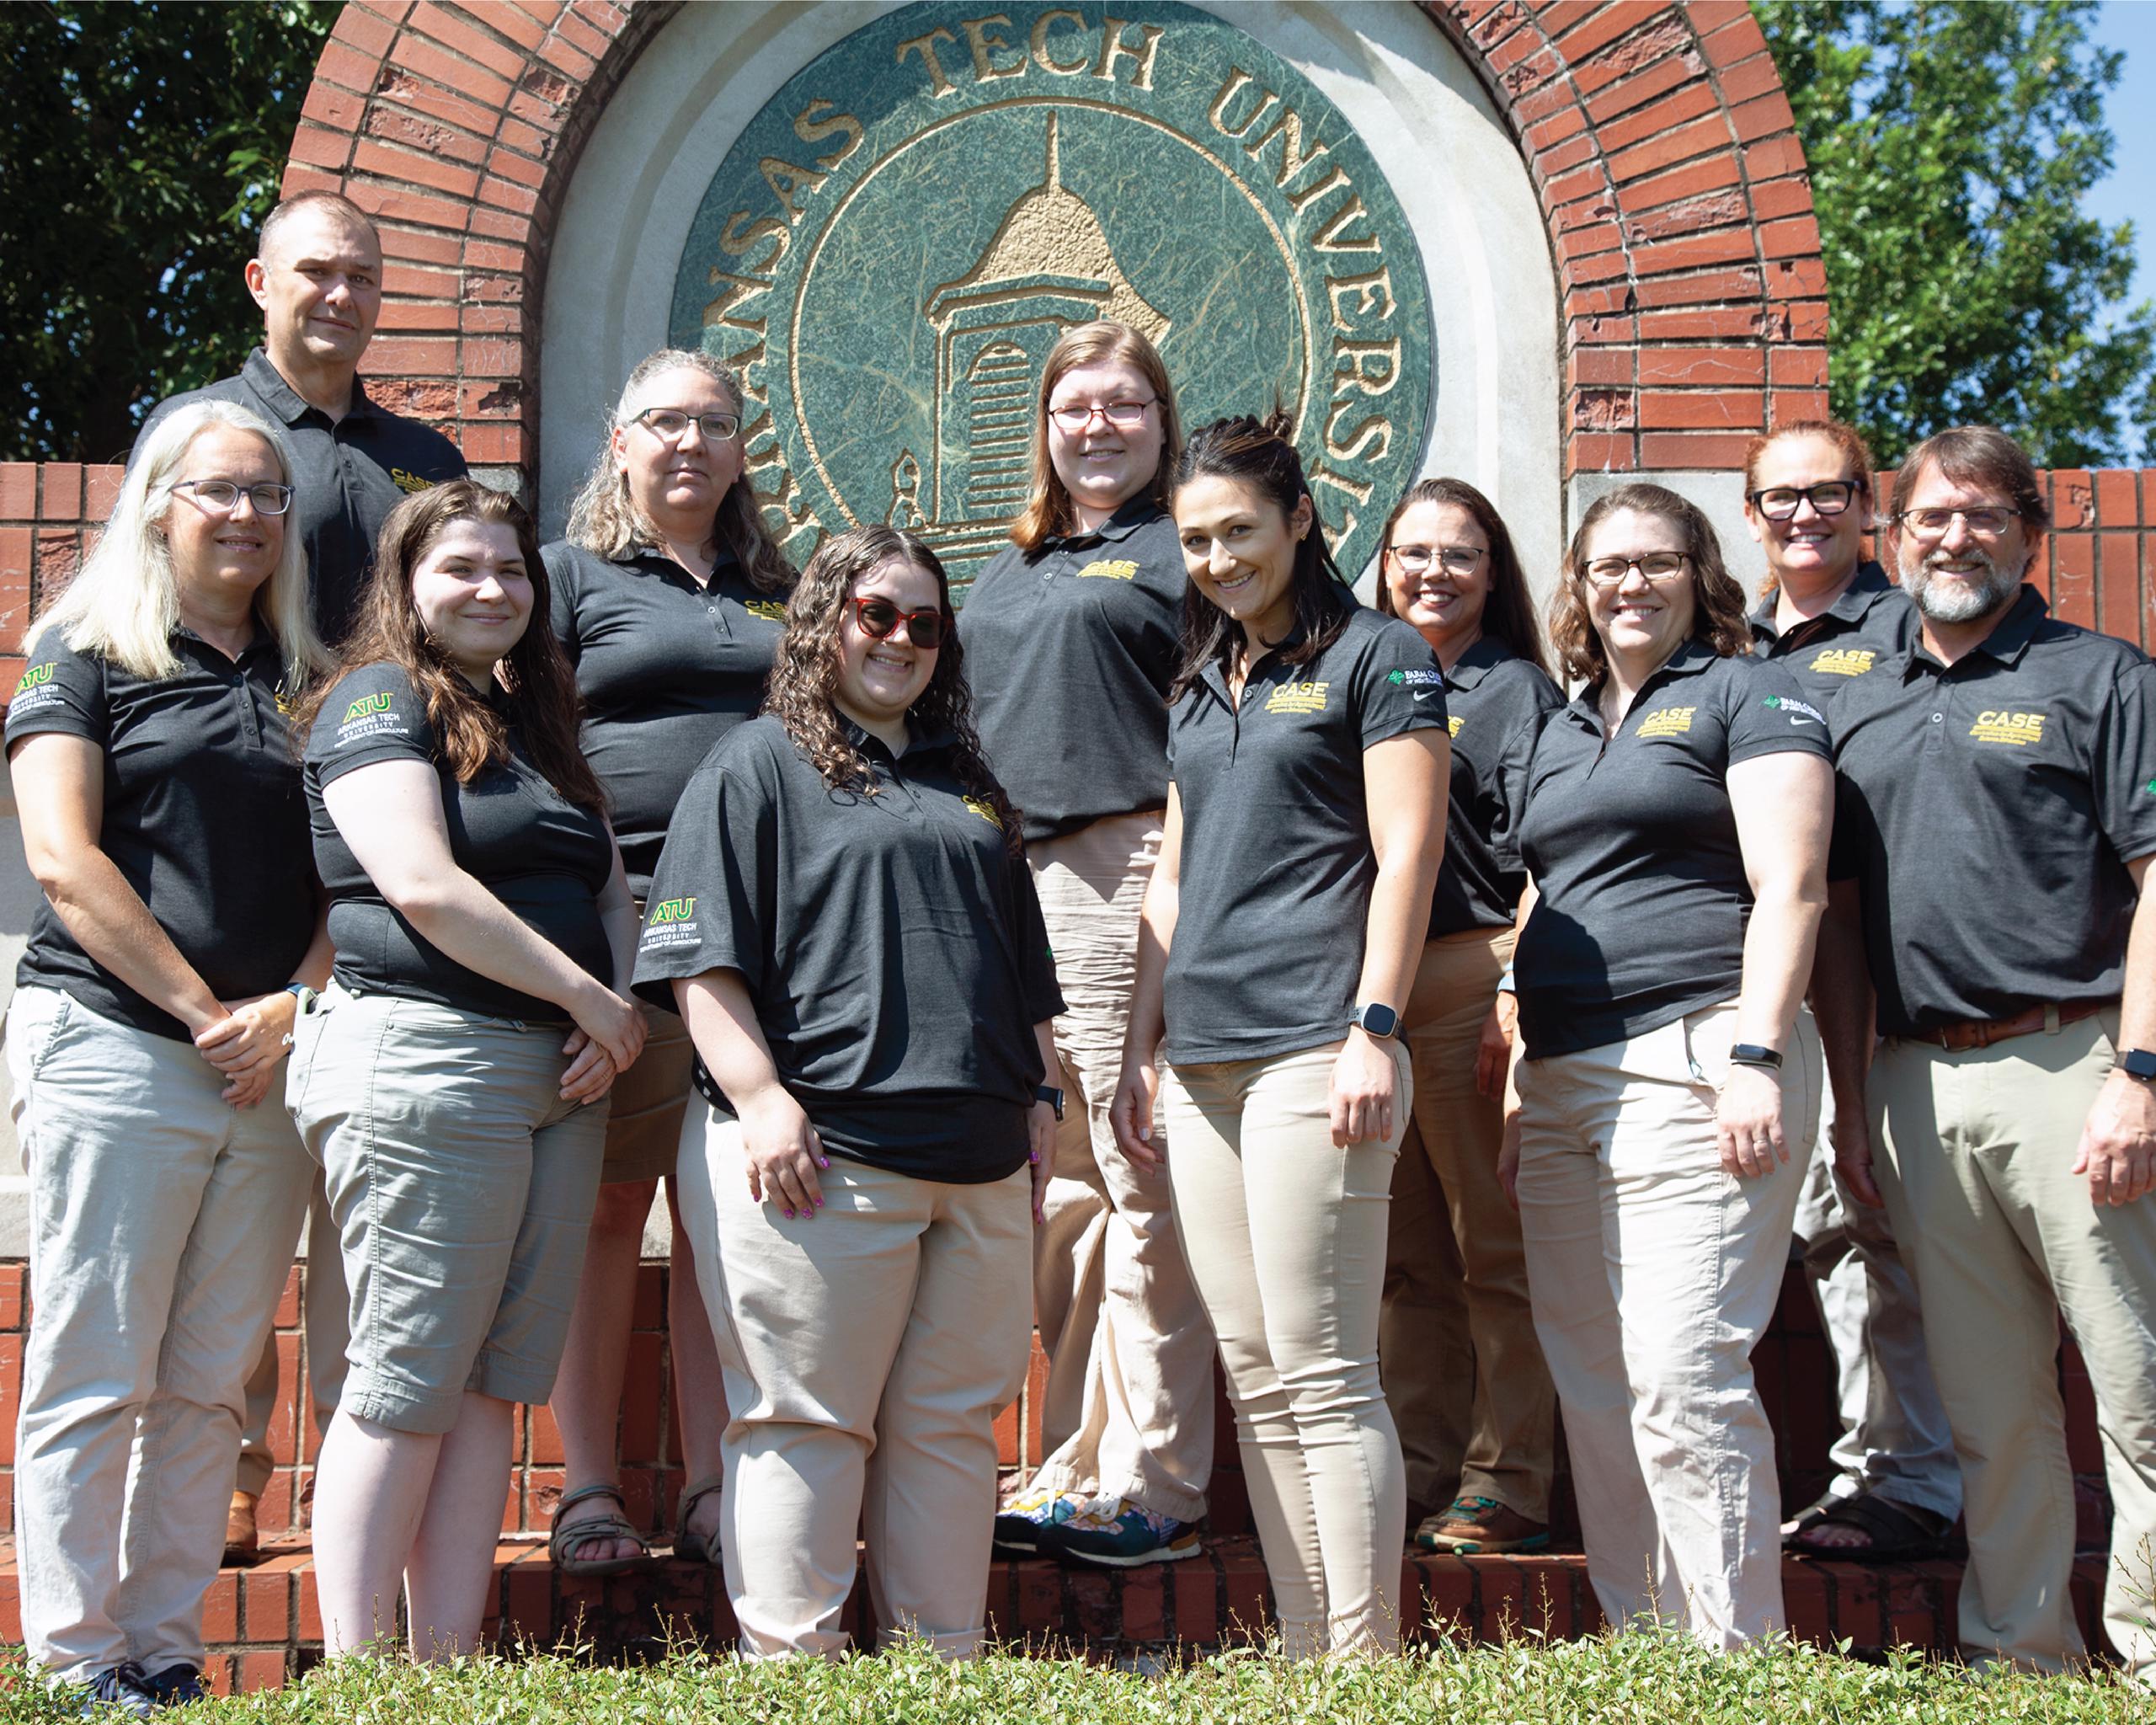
x=176 y=1686
x=123 y=1687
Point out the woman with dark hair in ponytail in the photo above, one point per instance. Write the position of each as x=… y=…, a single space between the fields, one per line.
x=1307 y=758
x=452 y=1080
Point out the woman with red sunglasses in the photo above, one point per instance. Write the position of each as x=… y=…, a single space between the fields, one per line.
x=843 y=916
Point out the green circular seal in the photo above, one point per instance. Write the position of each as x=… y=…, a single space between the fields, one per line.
x=900 y=236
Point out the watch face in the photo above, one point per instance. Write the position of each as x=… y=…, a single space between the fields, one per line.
x=2139 y=1063
x=1378 y=1020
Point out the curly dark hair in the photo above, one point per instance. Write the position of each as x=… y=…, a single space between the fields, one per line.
x=1508 y=613
x=535 y=672
x=1718 y=617
x=1259 y=454
x=804 y=676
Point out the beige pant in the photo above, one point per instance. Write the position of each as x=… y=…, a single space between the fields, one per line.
x=867 y=1352
x=1128 y=1408
x=1462 y=1371
x=1654 y=1275
x=1285 y=1231
x=643 y=1124
x=1975 y=1153
x=326 y=1323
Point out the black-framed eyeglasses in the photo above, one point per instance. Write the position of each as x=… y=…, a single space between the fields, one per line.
x=1123 y=415
x=1986 y=523
x=1453 y=560
x=1778 y=503
x=879 y=619
x=222 y=496
x=1655 y=566
x=672 y=424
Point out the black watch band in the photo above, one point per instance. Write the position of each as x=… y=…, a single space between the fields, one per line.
x=1754 y=1053
x=1050 y=1095
x=2138 y=1063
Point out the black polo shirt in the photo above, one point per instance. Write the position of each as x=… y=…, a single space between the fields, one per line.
x=1495 y=701
x=1276 y=870
x=348 y=475
x=1865 y=628
x=892 y=943
x=1989 y=809
x=1641 y=896
x=545 y=858
x=1070 y=651
x=665 y=667
x=203 y=816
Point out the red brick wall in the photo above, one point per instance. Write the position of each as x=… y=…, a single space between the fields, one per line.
x=47 y=511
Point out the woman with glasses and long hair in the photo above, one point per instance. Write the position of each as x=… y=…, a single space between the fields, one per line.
x=843 y=917
x=1278 y=947
x=1070 y=646
x=1463 y=1372
x=668 y=597
x=1665 y=1093
x=1832 y=619
x=162 y=816
x=452 y=1080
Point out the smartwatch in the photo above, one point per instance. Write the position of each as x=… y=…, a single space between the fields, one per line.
x=1050 y=1095
x=2138 y=1063
x=305 y=996
x=1754 y=1054
x=1375 y=1020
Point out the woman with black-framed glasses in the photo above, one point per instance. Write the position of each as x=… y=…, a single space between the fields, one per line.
x=669 y=597
x=1665 y=1094
x=844 y=918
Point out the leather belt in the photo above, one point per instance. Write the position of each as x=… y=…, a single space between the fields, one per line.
x=1981 y=1033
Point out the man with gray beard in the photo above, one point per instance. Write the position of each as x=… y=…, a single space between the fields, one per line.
x=1995 y=814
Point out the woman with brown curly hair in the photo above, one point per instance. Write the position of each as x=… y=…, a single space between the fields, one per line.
x=1676 y=833
x=483 y=936
x=843 y=916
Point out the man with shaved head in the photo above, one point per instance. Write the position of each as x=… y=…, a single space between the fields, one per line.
x=317 y=274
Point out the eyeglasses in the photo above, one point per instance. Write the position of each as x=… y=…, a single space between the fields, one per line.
x=1655 y=566
x=222 y=496
x=1453 y=560
x=1779 y=503
x=671 y=424
x=1123 y=415
x=1986 y=523
x=878 y=618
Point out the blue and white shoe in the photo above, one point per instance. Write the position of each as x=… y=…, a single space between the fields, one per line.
x=1019 y=1526
x=1117 y=1535
x=123 y=1689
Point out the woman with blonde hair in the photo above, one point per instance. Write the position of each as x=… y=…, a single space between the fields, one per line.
x=669 y=597
x=1070 y=636
x=843 y=916
x=162 y=814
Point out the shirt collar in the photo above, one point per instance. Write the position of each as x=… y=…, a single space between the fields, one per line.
x=289 y=406
x=1478 y=660
x=660 y=561
x=2007 y=642
x=1134 y=513
x=918 y=741
x=1692 y=656
x=1849 y=605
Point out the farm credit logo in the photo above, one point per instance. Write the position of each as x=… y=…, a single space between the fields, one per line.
x=899 y=237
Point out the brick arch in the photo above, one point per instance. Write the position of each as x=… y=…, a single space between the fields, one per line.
x=1657 y=135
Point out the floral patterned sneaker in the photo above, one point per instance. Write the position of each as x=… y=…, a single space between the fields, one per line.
x=1117 y=1535
x=1018 y=1525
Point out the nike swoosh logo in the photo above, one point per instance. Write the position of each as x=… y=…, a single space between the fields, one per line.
x=1794 y=719
x=1426 y=694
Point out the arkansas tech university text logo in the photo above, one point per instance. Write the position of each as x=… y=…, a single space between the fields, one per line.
x=896 y=240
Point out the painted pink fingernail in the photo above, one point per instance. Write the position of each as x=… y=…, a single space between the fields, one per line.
x=789 y=1215
x=822 y=1162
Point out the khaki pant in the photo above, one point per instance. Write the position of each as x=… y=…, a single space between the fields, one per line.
x=1975 y=1153
x=867 y=1352
x=1654 y=1275
x=1286 y=1231
x=650 y=1102
x=1129 y=1407
x=324 y=1298
x=1463 y=1370
x=160 y=1223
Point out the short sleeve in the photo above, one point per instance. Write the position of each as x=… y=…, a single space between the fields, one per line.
x=61 y=690
x=1398 y=685
x=1509 y=777
x=2121 y=770
x=373 y=715
x=1768 y=715
x=713 y=904
x=1037 y=978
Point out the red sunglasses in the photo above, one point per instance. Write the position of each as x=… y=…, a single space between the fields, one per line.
x=879 y=618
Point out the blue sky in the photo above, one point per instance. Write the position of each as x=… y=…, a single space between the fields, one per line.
x=2130 y=193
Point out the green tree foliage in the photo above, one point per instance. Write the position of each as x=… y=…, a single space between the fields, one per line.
x=1949 y=146
x=140 y=145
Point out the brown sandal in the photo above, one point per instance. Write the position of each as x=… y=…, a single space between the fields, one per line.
x=566 y=1544
x=690 y=1546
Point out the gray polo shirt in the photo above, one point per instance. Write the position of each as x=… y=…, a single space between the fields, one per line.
x=1641 y=898
x=348 y=475
x=892 y=943
x=1869 y=624
x=1496 y=703
x=1070 y=651
x=1988 y=810
x=1277 y=868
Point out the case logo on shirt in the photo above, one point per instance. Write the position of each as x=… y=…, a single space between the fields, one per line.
x=409 y=481
x=1453 y=724
x=1669 y=721
x=1298 y=698
x=985 y=809
x=1799 y=711
x=1111 y=569
x=1845 y=661
x=1998 y=725
x=771 y=611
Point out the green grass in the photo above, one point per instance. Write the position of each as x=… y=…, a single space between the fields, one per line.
x=1613 y=1680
